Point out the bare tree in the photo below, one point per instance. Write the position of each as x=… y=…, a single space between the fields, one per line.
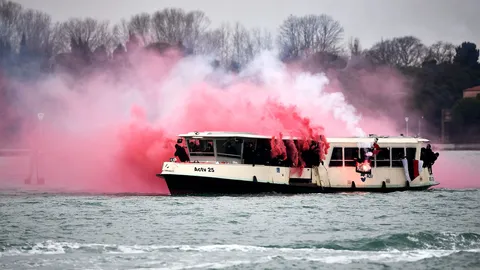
x=383 y=53
x=39 y=33
x=196 y=25
x=57 y=41
x=10 y=15
x=400 y=51
x=217 y=42
x=141 y=24
x=120 y=33
x=289 y=37
x=309 y=27
x=329 y=34
x=174 y=25
x=240 y=44
x=310 y=34
x=255 y=41
x=235 y=44
x=441 y=52
x=89 y=31
x=409 y=50
x=262 y=40
x=168 y=25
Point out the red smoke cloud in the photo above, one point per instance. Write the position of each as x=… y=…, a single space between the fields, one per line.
x=111 y=131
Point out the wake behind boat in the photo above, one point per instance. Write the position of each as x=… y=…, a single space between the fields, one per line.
x=242 y=163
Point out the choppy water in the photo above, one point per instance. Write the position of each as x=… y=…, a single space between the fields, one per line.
x=437 y=229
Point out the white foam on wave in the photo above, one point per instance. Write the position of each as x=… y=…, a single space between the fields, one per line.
x=207 y=265
x=347 y=257
x=216 y=248
x=241 y=254
x=47 y=247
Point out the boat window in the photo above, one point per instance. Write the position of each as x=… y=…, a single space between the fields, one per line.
x=249 y=146
x=200 y=147
x=351 y=156
x=337 y=157
x=397 y=155
x=411 y=153
x=383 y=158
x=229 y=148
x=263 y=152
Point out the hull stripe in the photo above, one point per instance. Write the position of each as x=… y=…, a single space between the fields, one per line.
x=184 y=185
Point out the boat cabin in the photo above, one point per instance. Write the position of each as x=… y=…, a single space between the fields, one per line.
x=250 y=148
x=345 y=152
x=241 y=148
x=378 y=163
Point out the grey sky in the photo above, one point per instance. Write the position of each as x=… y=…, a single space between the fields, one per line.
x=370 y=20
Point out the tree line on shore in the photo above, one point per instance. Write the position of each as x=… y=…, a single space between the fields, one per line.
x=435 y=75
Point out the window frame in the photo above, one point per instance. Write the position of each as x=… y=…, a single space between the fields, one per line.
x=201 y=153
x=224 y=141
x=384 y=160
x=350 y=162
x=396 y=161
x=336 y=160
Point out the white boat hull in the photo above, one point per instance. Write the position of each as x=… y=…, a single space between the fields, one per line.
x=211 y=178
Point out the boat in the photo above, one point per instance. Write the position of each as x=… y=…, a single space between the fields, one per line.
x=215 y=162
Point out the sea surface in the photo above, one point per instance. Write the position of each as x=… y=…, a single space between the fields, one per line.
x=437 y=229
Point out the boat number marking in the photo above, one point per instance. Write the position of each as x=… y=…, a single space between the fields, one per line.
x=199 y=169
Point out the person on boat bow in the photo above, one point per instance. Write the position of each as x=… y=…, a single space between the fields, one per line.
x=181 y=153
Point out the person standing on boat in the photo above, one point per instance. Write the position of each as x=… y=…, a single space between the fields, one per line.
x=373 y=151
x=429 y=157
x=181 y=153
x=376 y=147
x=364 y=166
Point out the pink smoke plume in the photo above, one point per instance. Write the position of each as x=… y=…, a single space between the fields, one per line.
x=457 y=169
x=111 y=131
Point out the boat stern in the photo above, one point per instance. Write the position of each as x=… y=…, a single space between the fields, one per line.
x=425 y=180
x=432 y=182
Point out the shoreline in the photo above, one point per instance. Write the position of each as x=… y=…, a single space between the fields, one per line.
x=457 y=147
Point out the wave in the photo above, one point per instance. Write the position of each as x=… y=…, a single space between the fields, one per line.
x=239 y=254
x=393 y=248
x=404 y=241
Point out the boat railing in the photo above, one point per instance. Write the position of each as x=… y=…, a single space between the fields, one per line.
x=228 y=155
x=202 y=154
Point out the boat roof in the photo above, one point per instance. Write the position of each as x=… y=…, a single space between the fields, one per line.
x=249 y=135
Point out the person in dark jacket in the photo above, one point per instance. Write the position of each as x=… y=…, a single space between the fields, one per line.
x=181 y=153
